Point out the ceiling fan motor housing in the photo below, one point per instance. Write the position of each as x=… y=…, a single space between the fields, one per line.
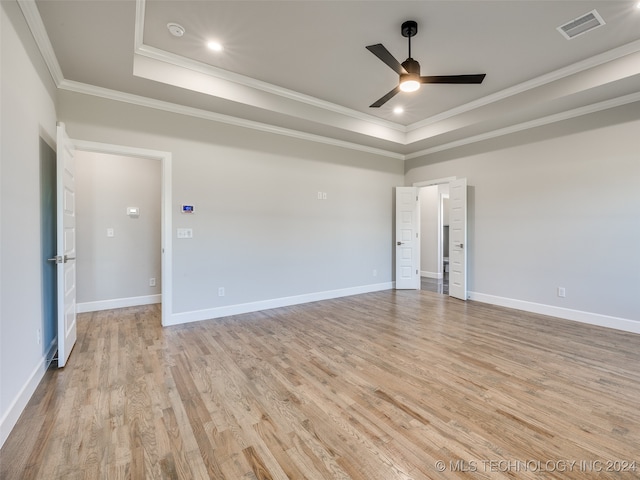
x=411 y=66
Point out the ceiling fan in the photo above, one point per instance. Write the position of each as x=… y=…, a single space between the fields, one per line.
x=409 y=70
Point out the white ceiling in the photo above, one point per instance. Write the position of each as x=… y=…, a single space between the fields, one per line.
x=301 y=67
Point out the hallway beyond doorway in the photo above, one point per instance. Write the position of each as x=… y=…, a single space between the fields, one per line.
x=437 y=285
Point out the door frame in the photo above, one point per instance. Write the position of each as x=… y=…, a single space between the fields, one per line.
x=166 y=287
x=48 y=332
x=432 y=183
x=441 y=197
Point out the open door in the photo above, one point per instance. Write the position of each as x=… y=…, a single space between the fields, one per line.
x=458 y=238
x=407 y=228
x=66 y=245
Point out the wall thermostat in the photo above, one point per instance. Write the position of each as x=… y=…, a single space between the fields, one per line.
x=188 y=209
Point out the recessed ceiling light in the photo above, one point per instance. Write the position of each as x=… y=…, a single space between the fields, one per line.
x=215 y=46
x=398 y=110
x=638 y=5
x=175 y=29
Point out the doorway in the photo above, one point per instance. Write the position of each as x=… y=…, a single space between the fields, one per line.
x=408 y=241
x=47 y=332
x=434 y=238
x=129 y=215
x=117 y=231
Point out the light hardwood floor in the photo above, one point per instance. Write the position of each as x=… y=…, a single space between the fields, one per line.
x=377 y=386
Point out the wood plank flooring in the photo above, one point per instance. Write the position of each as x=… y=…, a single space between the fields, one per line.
x=382 y=386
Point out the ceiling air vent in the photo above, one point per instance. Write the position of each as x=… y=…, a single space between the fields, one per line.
x=580 y=25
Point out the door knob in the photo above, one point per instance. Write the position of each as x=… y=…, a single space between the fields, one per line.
x=398 y=243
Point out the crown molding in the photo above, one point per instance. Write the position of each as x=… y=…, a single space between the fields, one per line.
x=235 y=78
x=86 y=89
x=34 y=21
x=597 y=60
x=539 y=122
x=138 y=100
x=35 y=24
x=178 y=60
x=138 y=29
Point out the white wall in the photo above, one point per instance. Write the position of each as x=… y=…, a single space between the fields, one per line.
x=259 y=230
x=115 y=271
x=558 y=206
x=28 y=114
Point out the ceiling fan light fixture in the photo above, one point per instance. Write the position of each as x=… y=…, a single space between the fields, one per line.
x=409 y=82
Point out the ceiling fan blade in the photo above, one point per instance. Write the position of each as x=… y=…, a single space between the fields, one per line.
x=461 y=79
x=383 y=54
x=386 y=98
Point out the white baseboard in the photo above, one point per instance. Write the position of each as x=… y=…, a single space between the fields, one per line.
x=217 y=312
x=117 y=303
x=624 y=324
x=19 y=403
x=437 y=275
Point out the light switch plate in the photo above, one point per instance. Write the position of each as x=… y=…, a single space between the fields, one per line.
x=185 y=233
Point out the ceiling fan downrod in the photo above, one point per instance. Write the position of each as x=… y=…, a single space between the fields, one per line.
x=408 y=30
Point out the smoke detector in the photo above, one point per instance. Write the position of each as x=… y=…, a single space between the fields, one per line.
x=580 y=25
x=175 y=29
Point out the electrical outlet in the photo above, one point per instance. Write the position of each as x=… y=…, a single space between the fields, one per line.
x=110 y=232
x=39 y=336
x=221 y=292
x=375 y=273
x=562 y=292
x=152 y=282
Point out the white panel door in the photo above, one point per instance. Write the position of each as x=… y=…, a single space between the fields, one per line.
x=458 y=238
x=66 y=245
x=407 y=227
